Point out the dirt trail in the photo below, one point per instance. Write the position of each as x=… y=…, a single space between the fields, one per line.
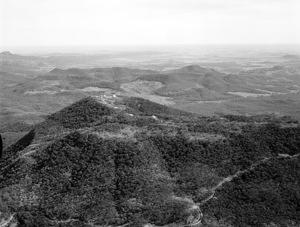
x=239 y=173
x=6 y=222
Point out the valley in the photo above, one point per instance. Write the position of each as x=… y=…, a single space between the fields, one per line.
x=271 y=87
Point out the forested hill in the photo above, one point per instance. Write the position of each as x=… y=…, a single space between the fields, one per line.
x=124 y=161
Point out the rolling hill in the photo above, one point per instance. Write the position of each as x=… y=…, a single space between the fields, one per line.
x=35 y=86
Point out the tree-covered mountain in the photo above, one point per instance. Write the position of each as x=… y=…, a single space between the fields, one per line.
x=127 y=161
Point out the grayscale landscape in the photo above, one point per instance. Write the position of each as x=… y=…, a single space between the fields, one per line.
x=130 y=123
x=201 y=82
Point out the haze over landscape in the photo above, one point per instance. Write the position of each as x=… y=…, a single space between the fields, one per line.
x=147 y=113
x=47 y=23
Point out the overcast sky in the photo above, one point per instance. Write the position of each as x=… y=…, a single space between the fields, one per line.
x=148 y=22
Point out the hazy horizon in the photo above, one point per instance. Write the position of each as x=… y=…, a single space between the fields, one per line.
x=34 y=23
x=98 y=49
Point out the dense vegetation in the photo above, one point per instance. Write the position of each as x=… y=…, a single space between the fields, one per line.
x=75 y=167
x=98 y=165
x=81 y=113
x=269 y=193
x=1 y=146
x=260 y=118
x=113 y=181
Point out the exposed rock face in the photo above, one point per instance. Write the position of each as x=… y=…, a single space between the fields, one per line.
x=110 y=162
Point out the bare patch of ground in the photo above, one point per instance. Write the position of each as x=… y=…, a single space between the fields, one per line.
x=145 y=89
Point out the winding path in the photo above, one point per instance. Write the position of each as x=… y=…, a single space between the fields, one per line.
x=240 y=172
x=6 y=222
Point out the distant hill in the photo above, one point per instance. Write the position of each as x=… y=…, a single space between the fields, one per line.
x=291 y=57
x=30 y=95
x=192 y=69
x=6 y=53
x=15 y=63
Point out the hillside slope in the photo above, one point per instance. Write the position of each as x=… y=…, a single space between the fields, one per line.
x=123 y=161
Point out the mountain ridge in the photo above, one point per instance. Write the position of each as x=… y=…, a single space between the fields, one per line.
x=132 y=161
